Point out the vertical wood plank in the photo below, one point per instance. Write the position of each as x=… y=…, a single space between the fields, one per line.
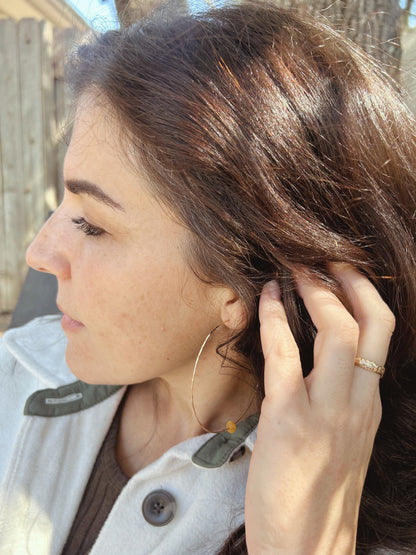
x=32 y=125
x=63 y=132
x=64 y=42
x=11 y=158
x=49 y=117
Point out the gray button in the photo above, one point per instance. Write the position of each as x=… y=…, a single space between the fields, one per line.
x=159 y=507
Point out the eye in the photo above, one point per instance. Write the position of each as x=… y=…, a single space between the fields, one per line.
x=87 y=228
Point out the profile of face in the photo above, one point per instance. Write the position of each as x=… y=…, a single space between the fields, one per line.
x=133 y=308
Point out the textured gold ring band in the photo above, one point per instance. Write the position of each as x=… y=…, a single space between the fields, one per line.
x=370 y=366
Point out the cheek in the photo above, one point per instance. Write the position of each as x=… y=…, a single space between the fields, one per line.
x=131 y=295
x=138 y=329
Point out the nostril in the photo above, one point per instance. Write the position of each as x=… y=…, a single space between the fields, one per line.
x=47 y=258
x=34 y=260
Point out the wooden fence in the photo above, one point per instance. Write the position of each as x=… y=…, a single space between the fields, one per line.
x=33 y=107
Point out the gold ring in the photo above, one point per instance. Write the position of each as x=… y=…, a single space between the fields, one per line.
x=370 y=366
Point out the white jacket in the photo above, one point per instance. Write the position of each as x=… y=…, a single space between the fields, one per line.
x=51 y=429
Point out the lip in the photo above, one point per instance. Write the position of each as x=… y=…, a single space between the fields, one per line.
x=68 y=323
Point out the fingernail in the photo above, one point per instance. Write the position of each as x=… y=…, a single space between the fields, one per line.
x=273 y=289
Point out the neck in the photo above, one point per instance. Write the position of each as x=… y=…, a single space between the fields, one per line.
x=158 y=414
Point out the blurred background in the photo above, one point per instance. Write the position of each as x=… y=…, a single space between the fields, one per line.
x=35 y=108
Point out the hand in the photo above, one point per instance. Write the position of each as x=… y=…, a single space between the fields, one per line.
x=315 y=435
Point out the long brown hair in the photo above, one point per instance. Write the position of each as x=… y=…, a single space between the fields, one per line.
x=280 y=144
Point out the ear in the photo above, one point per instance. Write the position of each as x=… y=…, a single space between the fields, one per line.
x=233 y=310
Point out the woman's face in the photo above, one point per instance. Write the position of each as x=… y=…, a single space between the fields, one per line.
x=134 y=310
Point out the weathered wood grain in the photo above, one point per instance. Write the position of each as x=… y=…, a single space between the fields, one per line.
x=12 y=209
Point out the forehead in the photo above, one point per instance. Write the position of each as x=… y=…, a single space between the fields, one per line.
x=96 y=151
x=95 y=129
x=96 y=155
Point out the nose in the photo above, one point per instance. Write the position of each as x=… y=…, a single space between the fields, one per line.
x=47 y=252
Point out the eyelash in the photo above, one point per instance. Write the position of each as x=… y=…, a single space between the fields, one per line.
x=87 y=228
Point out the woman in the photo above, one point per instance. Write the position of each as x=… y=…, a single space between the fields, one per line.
x=239 y=168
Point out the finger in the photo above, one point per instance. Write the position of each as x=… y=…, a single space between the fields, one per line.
x=375 y=320
x=335 y=345
x=283 y=370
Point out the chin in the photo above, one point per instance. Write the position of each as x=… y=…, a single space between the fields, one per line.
x=87 y=372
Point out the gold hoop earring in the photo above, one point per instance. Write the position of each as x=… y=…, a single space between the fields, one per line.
x=231 y=426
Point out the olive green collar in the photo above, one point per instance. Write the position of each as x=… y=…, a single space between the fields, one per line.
x=67 y=399
x=78 y=396
x=218 y=450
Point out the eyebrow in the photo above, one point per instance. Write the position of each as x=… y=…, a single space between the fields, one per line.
x=79 y=187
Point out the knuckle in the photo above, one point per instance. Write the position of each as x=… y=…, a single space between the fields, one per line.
x=380 y=316
x=287 y=350
x=388 y=319
x=335 y=419
x=347 y=331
